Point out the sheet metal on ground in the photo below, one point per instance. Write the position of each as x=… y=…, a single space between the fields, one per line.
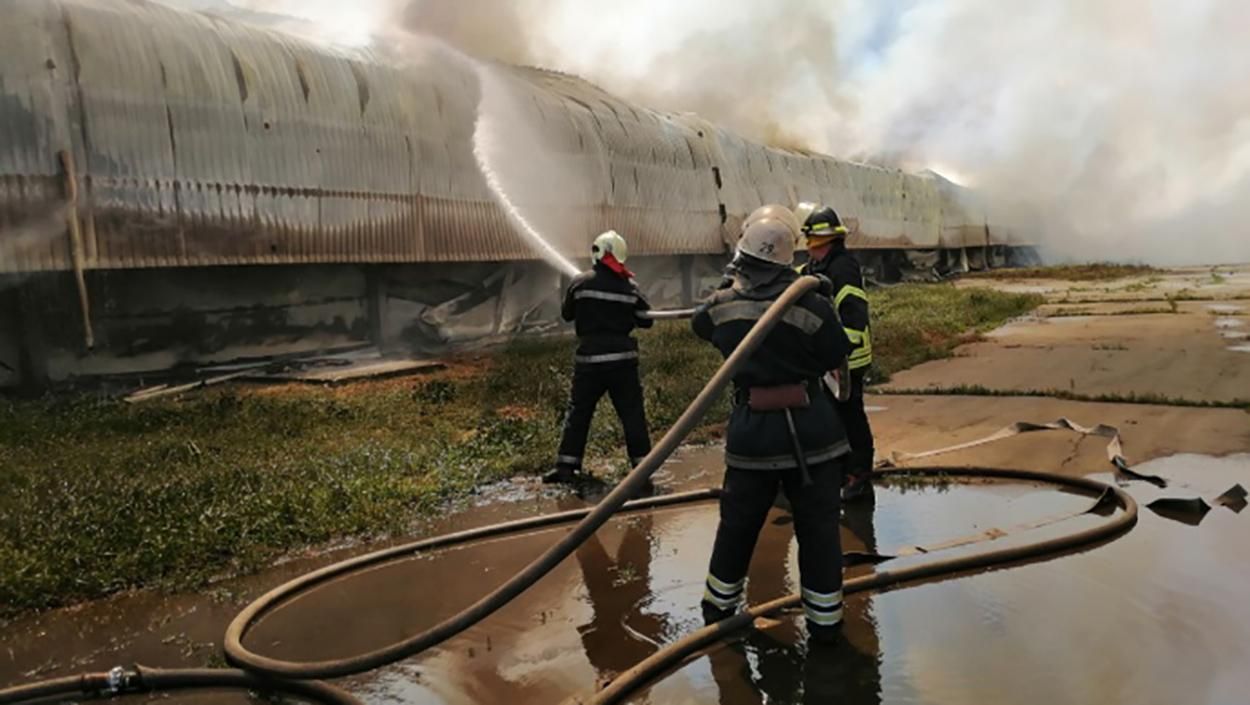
x=914 y=424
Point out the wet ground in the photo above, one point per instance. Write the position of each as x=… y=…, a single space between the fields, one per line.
x=1081 y=628
x=1158 y=616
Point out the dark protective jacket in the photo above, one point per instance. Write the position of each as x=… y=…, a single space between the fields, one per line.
x=849 y=299
x=806 y=344
x=605 y=308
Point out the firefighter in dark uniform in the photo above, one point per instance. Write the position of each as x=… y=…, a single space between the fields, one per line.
x=828 y=256
x=779 y=430
x=605 y=306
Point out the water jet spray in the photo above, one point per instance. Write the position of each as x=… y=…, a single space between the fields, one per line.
x=487 y=139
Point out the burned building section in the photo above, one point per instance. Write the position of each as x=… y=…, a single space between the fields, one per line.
x=176 y=188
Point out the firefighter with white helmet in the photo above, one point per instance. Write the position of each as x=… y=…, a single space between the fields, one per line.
x=605 y=305
x=779 y=428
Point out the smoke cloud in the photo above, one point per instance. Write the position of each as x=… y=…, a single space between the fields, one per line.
x=1118 y=129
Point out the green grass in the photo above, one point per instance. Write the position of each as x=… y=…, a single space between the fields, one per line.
x=1102 y=271
x=98 y=496
x=915 y=323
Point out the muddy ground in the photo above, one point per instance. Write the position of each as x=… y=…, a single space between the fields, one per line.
x=1158 y=616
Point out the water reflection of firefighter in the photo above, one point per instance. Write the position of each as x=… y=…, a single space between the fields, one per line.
x=826 y=247
x=605 y=306
x=616 y=588
x=782 y=429
x=772 y=666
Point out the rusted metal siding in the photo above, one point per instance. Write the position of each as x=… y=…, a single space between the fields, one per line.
x=35 y=76
x=199 y=141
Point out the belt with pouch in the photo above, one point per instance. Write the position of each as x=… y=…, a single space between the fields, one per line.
x=783 y=398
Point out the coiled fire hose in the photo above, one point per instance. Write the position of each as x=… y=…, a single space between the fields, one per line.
x=293 y=678
x=240 y=655
x=674 y=654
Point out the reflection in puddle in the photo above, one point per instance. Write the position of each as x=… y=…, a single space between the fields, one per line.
x=635 y=586
x=1157 y=616
x=1229 y=323
x=1240 y=348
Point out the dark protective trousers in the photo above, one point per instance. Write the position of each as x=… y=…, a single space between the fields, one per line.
x=590 y=382
x=745 y=500
x=858 y=431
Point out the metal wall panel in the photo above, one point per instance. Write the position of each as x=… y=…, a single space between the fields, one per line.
x=199 y=141
x=35 y=75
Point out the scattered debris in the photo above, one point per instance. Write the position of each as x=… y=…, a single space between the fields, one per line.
x=1189 y=511
x=1234 y=499
x=315 y=368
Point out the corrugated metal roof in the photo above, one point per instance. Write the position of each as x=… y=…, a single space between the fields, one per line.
x=200 y=141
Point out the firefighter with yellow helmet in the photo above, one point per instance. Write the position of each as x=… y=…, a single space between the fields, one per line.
x=828 y=256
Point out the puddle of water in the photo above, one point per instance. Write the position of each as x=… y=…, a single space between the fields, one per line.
x=1228 y=323
x=1157 y=616
x=1240 y=348
x=1224 y=308
x=1235 y=335
x=633 y=587
x=875 y=409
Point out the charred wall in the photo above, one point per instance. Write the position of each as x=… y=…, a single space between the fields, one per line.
x=151 y=321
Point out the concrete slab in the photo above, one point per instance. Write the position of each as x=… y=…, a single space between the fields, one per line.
x=1184 y=356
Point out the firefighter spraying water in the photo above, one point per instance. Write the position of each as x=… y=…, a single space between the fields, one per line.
x=605 y=305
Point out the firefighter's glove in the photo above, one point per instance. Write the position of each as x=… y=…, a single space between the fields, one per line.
x=826 y=285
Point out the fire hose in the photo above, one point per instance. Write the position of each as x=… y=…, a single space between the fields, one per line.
x=140 y=679
x=296 y=678
x=676 y=653
x=240 y=655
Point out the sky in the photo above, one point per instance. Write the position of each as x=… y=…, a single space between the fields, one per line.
x=1124 y=123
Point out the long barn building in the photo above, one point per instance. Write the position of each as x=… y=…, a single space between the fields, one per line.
x=178 y=188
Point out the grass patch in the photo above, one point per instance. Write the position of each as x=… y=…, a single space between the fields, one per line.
x=1102 y=271
x=1144 y=285
x=98 y=496
x=915 y=323
x=976 y=390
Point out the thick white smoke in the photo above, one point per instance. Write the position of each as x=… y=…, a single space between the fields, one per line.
x=1123 y=123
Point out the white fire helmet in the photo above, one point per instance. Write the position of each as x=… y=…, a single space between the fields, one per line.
x=610 y=241
x=770 y=234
